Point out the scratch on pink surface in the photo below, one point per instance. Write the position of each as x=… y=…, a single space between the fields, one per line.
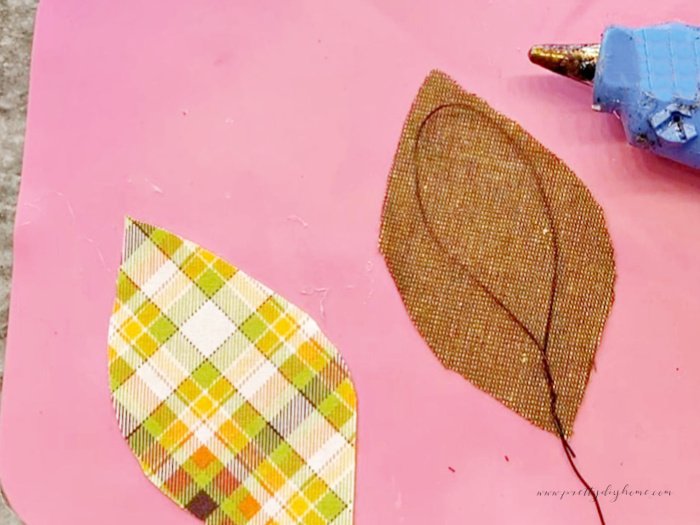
x=323 y=292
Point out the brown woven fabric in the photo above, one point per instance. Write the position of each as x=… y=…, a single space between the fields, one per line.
x=500 y=253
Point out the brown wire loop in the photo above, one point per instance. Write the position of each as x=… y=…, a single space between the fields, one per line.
x=544 y=345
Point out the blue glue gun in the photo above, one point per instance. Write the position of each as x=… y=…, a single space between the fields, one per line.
x=648 y=77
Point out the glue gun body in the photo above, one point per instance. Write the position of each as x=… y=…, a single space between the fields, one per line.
x=649 y=77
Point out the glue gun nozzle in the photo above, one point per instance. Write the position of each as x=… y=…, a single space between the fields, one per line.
x=576 y=61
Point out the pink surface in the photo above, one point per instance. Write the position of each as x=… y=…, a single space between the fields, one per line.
x=266 y=133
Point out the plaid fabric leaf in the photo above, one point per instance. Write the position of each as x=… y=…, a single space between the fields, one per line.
x=235 y=404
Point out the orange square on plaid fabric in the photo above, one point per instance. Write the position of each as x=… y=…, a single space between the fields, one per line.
x=249 y=506
x=203 y=457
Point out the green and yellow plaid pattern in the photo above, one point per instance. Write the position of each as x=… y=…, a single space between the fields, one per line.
x=233 y=401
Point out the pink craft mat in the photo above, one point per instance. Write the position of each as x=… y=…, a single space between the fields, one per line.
x=265 y=131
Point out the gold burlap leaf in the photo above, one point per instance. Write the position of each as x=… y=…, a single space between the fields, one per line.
x=500 y=253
